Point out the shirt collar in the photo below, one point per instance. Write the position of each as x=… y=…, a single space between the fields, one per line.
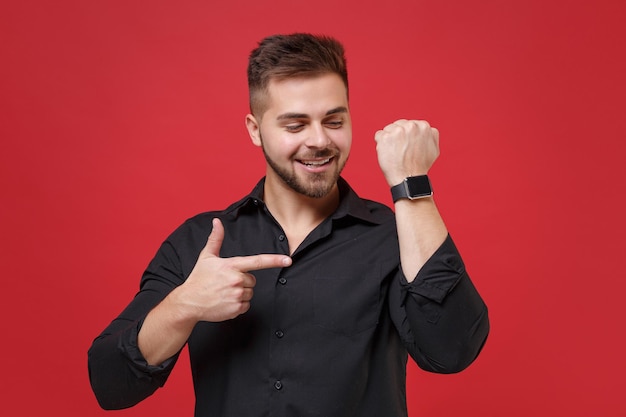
x=350 y=204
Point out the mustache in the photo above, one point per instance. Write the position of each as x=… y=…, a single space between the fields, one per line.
x=319 y=154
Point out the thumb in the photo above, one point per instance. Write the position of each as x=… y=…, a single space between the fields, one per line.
x=214 y=242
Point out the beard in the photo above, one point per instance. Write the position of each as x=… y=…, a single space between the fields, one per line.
x=313 y=185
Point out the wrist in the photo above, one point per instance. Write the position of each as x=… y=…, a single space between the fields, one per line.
x=181 y=313
x=412 y=188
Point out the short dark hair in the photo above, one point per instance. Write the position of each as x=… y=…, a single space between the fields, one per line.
x=279 y=57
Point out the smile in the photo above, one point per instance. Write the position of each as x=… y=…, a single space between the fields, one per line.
x=315 y=163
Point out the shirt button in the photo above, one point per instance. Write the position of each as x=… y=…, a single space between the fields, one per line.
x=282 y=280
x=281 y=237
x=279 y=334
x=278 y=385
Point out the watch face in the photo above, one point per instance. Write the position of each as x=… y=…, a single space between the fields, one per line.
x=418 y=186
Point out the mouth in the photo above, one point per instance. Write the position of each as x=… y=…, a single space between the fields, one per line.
x=315 y=163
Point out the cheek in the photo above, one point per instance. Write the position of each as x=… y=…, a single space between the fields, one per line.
x=280 y=147
x=343 y=141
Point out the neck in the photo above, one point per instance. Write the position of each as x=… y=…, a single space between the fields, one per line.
x=296 y=212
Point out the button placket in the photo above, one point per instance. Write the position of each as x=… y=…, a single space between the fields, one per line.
x=279 y=345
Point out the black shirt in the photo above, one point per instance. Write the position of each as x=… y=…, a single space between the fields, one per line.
x=327 y=336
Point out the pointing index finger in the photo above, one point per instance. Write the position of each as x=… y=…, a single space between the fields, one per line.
x=258 y=262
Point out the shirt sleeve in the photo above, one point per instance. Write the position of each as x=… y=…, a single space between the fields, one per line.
x=441 y=318
x=119 y=375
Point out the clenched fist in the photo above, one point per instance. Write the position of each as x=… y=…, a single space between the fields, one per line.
x=406 y=148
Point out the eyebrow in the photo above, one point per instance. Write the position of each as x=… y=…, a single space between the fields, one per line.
x=286 y=116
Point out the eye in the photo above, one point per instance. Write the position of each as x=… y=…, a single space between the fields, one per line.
x=334 y=124
x=295 y=127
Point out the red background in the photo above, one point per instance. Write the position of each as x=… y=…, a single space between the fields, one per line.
x=120 y=119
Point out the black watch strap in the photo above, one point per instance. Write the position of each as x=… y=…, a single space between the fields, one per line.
x=412 y=188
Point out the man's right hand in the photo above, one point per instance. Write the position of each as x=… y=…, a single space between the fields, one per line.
x=217 y=289
x=220 y=289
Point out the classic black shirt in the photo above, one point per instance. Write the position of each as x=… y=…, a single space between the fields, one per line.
x=327 y=336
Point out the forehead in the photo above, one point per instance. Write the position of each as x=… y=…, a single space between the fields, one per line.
x=306 y=95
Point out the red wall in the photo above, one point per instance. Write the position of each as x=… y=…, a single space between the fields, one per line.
x=120 y=119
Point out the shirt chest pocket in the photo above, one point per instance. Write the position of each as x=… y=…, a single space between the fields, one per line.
x=347 y=298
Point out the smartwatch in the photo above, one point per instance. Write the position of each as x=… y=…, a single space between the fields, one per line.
x=412 y=188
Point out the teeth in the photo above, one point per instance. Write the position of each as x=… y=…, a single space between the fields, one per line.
x=316 y=163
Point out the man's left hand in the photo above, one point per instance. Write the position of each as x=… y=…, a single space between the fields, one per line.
x=406 y=148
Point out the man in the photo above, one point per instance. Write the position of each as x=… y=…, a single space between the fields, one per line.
x=302 y=299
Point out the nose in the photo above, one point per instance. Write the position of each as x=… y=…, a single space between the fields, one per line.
x=318 y=137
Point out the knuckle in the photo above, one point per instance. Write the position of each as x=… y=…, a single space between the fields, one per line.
x=251 y=280
x=244 y=307
x=258 y=262
x=238 y=281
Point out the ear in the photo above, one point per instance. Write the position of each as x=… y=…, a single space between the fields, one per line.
x=254 y=129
